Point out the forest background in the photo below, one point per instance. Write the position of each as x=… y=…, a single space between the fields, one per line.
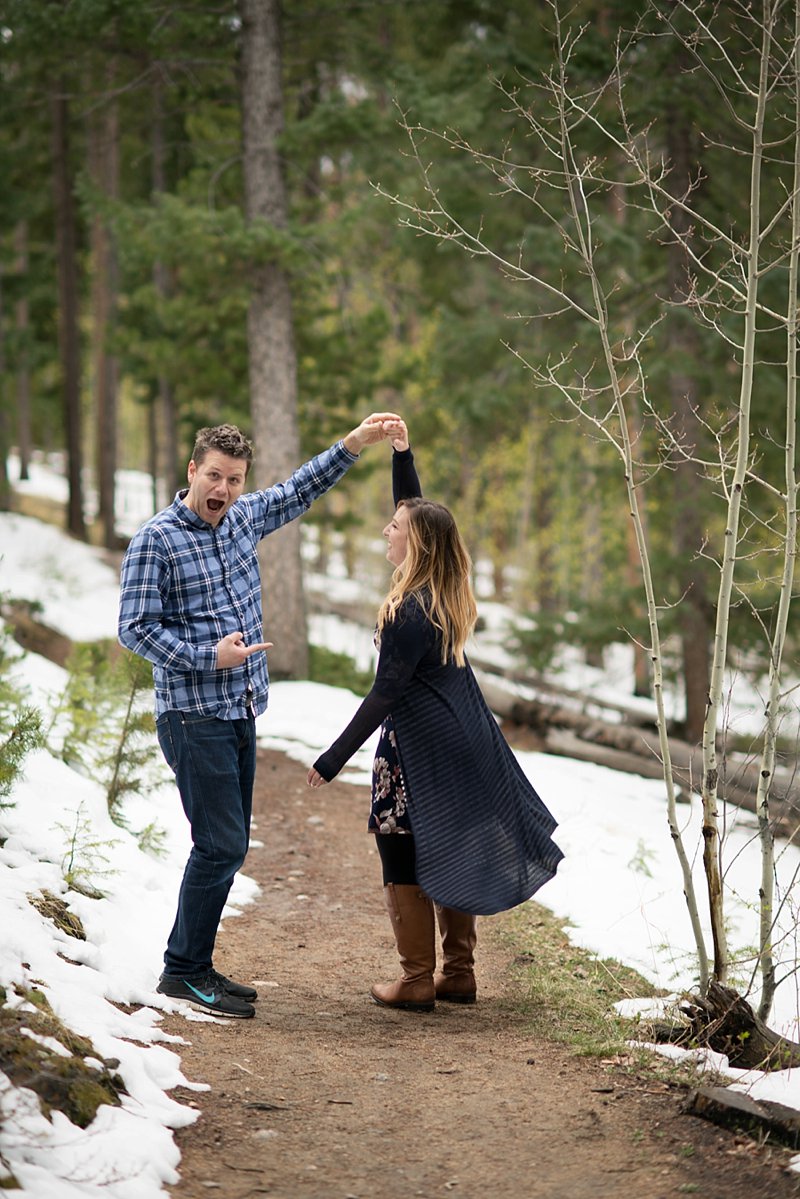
x=195 y=228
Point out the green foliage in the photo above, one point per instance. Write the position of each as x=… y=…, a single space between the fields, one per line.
x=106 y=722
x=20 y=724
x=85 y=858
x=25 y=735
x=337 y=670
x=383 y=315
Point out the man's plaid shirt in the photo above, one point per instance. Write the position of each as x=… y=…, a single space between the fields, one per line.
x=186 y=585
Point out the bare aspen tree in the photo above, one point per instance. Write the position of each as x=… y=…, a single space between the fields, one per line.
x=771 y=711
x=735 y=288
x=724 y=287
x=735 y=489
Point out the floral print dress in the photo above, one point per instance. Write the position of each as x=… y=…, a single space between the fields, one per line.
x=389 y=812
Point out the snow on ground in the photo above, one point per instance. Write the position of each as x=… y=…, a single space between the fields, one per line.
x=128 y=1152
x=619 y=885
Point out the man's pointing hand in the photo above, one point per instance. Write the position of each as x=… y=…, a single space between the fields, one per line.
x=232 y=651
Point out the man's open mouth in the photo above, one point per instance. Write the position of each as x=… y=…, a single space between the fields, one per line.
x=216 y=505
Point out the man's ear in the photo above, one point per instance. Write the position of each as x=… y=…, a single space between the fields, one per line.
x=191 y=470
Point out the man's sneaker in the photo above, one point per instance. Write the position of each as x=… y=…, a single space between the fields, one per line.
x=206 y=993
x=240 y=990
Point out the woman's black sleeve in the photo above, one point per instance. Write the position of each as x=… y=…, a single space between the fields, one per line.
x=405 y=481
x=403 y=643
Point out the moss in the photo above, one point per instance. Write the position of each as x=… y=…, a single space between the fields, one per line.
x=56 y=909
x=64 y=1083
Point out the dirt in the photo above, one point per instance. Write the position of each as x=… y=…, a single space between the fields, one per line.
x=325 y=1095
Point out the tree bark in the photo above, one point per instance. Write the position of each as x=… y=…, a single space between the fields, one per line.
x=766 y=958
x=165 y=451
x=270 y=332
x=725 y=1022
x=68 y=315
x=683 y=350
x=23 y=388
x=5 y=424
x=103 y=143
x=642 y=682
x=641 y=664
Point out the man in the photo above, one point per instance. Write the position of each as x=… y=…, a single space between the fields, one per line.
x=190 y=603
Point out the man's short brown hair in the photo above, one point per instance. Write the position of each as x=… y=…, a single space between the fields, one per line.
x=226 y=439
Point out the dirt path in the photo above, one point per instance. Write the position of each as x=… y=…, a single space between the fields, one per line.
x=327 y=1096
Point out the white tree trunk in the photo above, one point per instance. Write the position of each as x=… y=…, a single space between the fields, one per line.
x=767 y=890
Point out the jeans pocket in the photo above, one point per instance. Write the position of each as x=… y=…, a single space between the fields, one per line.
x=197 y=720
x=164 y=733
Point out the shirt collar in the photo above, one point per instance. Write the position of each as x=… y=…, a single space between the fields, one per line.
x=186 y=516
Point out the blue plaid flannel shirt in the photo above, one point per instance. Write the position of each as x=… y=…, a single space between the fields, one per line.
x=185 y=585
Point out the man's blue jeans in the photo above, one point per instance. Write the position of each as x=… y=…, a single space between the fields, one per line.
x=214 y=763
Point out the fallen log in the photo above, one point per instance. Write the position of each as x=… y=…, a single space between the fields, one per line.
x=732 y=1109
x=637 y=751
x=362 y=613
x=567 y=723
x=34 y=635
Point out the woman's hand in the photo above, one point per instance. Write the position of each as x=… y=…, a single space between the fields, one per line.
x=397 y=432
x=315 y=779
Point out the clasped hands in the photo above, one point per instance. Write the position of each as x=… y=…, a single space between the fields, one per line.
x=378 y=426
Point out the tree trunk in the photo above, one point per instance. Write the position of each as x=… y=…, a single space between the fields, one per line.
x=5 y=424
x=683 y=350
x=22 y=321
x=270 y=332
x=592 y=542
x=165 y=451
x=103 y=143
x=726 y=1023
x=766 y=956
x=642 y=685
x=641 y=664
x=68 y=316
x=545 y=573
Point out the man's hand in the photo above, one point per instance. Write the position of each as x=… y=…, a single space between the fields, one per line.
x=232 y=651
x=374 y=428
x=315 y=779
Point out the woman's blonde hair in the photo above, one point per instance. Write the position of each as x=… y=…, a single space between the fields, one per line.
x=436 y=571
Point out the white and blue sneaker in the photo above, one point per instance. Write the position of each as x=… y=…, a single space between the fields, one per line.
x=206 y=992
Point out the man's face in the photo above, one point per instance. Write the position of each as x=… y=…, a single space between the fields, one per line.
x=214 y=484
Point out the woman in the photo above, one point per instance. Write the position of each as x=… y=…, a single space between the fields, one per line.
x=457 y=823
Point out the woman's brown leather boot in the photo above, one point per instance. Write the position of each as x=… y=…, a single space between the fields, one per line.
x=411 y=914
x=455 y=982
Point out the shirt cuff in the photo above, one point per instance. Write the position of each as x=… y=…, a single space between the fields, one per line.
x=205 y=657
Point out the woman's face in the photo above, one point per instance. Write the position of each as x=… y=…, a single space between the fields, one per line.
x=396 y=534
